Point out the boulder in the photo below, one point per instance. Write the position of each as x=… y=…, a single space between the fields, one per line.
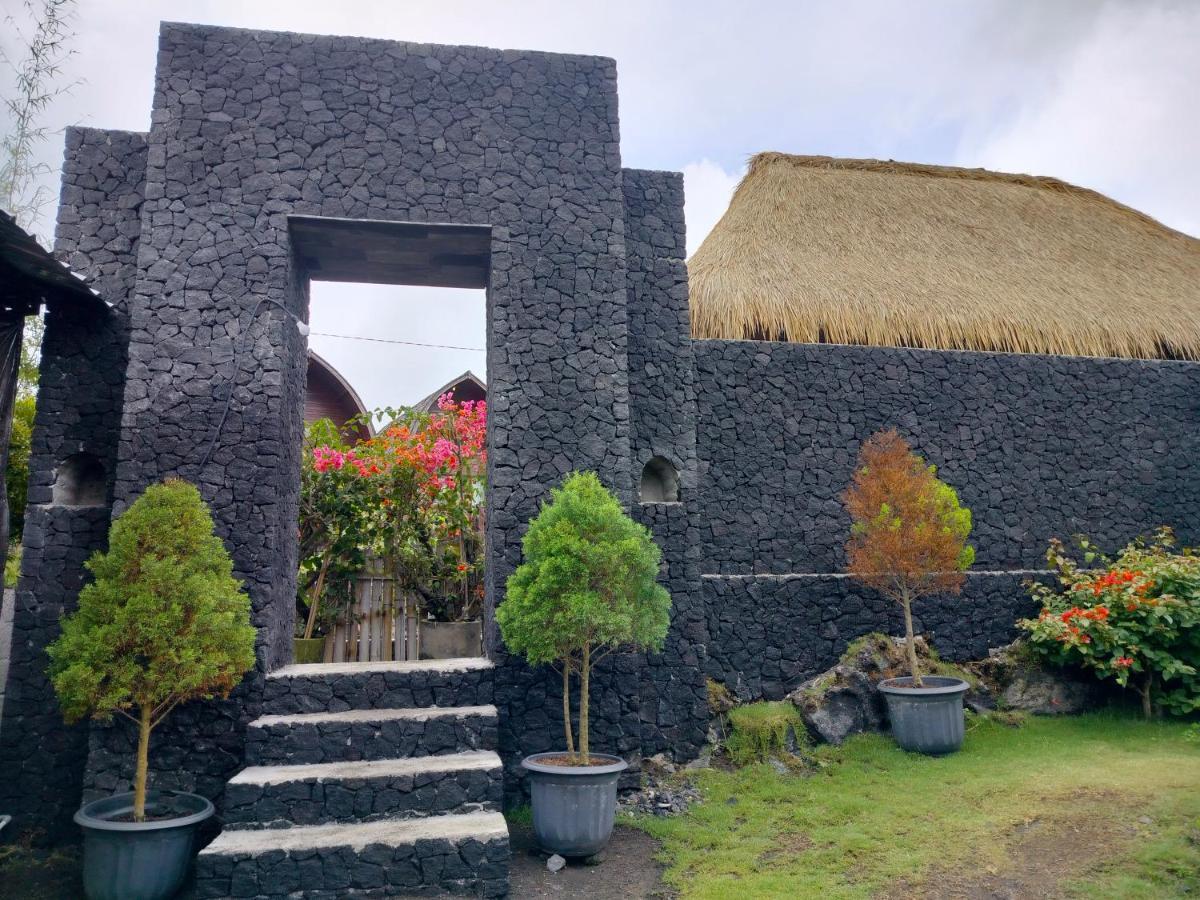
x=1020 y=681
x=843 y=700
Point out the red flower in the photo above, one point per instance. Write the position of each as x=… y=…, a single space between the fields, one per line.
x=1123 y=662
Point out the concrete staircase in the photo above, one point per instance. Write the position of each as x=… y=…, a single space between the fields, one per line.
x=366 y=780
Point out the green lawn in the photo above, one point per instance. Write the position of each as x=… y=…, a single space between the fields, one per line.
x=1092 y=806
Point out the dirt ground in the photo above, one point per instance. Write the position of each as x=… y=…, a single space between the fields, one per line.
x=1043 y=856
x=628 y=870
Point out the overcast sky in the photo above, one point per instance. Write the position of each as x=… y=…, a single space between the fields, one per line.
x=1102 y=94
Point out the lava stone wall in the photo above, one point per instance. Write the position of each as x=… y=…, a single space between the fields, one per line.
x=1036 y=446
x=251 y=127
x=673 y=704
x=78 y=411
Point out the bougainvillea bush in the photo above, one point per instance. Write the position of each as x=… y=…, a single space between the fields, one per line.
x=413 y=496
x=334 y=504
x=1134 y=619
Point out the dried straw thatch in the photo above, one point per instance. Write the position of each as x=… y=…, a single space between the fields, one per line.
x=814 y=249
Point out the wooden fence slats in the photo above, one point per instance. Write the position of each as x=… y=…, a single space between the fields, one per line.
x=378 y=626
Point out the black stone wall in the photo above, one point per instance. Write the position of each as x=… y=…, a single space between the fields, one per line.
x=79 y=401
x=1036 y=446
x=673 y=708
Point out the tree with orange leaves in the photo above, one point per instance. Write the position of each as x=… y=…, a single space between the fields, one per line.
x=908 y=537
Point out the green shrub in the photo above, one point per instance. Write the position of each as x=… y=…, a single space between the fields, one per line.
x=12 y=565
x=586 y=588
x=163 y=622
x=759 y=731
x=1133 y=619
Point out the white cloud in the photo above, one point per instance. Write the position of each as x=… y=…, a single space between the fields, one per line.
x=1120 y=114
x=707 y=189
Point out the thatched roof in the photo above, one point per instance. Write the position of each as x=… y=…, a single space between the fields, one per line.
x=814 y=249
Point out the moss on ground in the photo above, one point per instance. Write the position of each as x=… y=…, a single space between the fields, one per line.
x=760 y=731
x=874 y=821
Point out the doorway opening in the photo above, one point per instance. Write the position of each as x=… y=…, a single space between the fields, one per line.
x=393 y=549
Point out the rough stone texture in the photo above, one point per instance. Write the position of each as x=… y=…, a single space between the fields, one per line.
x=1036 y=446
x=318 y=740
x=313 y=800
x=424 y=868
x=1020 y=681
x=1028 y=441
x=673 y=703
x=395 y=689
x=79 y=400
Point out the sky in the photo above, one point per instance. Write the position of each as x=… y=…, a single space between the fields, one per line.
x=1101 y=94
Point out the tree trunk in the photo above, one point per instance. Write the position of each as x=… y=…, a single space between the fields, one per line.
x=143 y=765
x=910 y=640
x=314 y=600
x=567 y=706
x=1147 y=706
x=585 y=672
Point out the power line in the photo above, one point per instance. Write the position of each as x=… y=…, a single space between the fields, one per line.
x=356 y=337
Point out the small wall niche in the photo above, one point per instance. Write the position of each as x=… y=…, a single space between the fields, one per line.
x=660 y=481
x=80 y=480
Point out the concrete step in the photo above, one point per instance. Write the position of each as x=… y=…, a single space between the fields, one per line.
x=458 y=854
x=364 y=791
x=366 y=734
x=333 y=687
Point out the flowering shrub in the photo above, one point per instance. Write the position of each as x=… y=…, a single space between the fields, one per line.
x=428 y=475
x=334 y=501
x=413 y=495
x=1135 y=619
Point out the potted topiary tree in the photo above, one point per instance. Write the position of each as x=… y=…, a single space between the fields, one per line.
x=163 y=622
x=908 y=540
x=586 y=589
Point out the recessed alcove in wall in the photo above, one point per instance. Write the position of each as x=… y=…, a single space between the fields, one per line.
x=80 y=480
x=660 y=482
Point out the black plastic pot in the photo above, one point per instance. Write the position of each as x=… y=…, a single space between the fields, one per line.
x=927 y=719
x=139 y=860
x=574 y=806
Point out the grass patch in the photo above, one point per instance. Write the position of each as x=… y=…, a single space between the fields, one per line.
x=520 y=815
x=876 y=821
x=759 y=731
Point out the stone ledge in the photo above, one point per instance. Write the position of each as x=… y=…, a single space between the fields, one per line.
x=311 y=670
x=357 y=836
x=458 y=854
x=364 y=769
x=356 y=716
x=363 y=734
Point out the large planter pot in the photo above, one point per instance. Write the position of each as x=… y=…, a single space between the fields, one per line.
x=125 y=860
x=308 y=650
x=573 y=806
x=451 y=640
x=927 y=719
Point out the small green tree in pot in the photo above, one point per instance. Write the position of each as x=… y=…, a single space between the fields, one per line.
x=163 y=622
x=908 y=539
x=585 y=590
